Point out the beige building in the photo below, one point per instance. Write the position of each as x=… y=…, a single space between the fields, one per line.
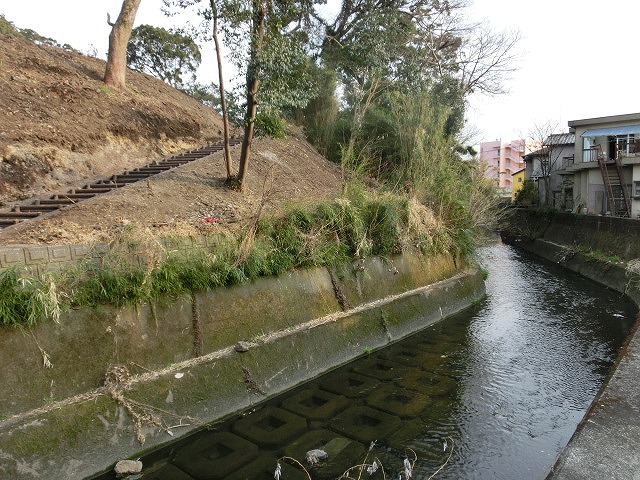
x=603 y=175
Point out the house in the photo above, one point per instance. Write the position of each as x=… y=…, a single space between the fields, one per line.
x=545 y=166
x=517 y=180
x=604 y=174
x=502 y=159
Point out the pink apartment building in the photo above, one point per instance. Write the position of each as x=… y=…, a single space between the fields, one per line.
x=503 y=159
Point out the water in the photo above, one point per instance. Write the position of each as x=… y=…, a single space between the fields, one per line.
x=493 y=393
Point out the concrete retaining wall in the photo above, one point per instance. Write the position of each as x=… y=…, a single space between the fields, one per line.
x=581 y=243
x=608 y=235
x=611 y=275
x=60 y=422
x=38 y=259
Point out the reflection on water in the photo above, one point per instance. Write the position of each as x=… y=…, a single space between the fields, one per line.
x=505 y=383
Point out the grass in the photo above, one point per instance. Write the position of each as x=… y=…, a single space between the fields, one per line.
x=485 y=273
x=24 y=301
x=595 y=254
x=355 y=226
x=632 y=271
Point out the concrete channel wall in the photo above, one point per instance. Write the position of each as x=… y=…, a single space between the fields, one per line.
x=607 y=441
x=190 y=361
x=599 y=248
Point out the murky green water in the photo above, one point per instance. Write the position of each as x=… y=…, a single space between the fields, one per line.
x=495 y=393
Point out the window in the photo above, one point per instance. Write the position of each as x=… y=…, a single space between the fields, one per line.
x=636 y=189
x=519 y=179
x=625 y=144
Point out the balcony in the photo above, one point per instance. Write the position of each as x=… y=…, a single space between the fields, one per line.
x=591 y=154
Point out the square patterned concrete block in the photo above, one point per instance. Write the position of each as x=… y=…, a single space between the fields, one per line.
x=199 y=241
x=36 y=254
x=32 y=270
x=211 y=240
x=79 y=252
x=60 y=253
x=11 y=256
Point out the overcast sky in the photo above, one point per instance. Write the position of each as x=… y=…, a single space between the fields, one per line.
x=578 y=57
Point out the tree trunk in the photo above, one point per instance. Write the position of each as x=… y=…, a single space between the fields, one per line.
x=253 y=84
x=114 y=75
x=223 y=101
x=547 y=187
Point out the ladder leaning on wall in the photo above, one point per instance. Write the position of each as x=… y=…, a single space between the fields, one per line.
x=625 y=204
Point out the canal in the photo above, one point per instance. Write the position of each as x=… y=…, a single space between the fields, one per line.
x=493 y=393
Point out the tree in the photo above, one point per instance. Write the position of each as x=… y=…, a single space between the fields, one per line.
x=527 y=195
x=166 y=54
x=411 y=46
x=547 y=159
x=115 y=73
x=267 y=47
x=258 y=14
x=223 y=100
x=486 y=59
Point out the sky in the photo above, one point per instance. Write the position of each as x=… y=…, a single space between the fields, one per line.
x=577 y=58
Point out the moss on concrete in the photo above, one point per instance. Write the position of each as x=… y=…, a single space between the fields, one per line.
x=296 y=331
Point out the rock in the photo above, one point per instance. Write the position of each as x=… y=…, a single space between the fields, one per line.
x=127 y=467
x=242 y=347
x=314 y=456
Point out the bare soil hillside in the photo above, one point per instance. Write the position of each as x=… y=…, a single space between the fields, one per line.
x=61 y=127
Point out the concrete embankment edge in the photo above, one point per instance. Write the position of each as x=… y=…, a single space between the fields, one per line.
x=183 y=362
x=607 y=441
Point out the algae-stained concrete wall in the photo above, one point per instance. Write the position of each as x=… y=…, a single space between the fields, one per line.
x=582 y=243
x=608 y=235
x=60 y=422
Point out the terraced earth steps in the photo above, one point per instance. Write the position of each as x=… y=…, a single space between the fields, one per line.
x=21 y=213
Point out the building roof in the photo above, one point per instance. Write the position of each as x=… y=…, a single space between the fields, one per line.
x=613 y=118
x=560 y=139
x=515 y=173
x=537 y=153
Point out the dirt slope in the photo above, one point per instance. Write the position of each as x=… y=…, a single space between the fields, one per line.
x=61 y=127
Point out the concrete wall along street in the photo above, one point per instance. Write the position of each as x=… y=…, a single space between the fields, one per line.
x=199 y=358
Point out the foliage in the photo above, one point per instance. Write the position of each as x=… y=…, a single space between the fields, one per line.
x=8 y=28
x=527 y=195
x=166 y=54
x=270 y=126
x=415 y=138
x=357 y=225
x=320 y=114
x=485 y=273
x=24 y=301
x=285 y=72
x=205 y=94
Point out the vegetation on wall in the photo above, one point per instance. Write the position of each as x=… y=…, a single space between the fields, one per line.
x=357 y=225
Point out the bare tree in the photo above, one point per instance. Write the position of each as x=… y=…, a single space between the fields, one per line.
x=548 y=158
x=485 y=59
x=114 y=75
x=223 y=101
